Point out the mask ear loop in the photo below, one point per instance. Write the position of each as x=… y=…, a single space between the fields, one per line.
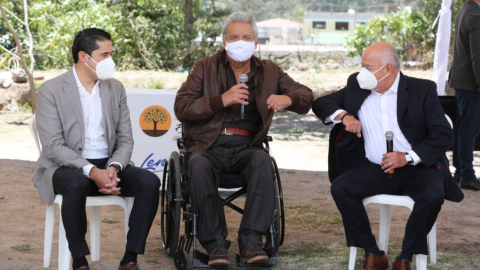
x=93 y=61
x=383 y=76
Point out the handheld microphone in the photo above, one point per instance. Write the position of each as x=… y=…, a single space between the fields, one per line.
x=243 y=78
x=389 y=137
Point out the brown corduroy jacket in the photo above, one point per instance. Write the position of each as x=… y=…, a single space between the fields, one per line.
x=199 y=106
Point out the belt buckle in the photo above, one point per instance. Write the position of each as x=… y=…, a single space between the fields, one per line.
x=226 y=132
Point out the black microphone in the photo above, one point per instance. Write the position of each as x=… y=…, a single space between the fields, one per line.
x=389 y=137
x=243 y=78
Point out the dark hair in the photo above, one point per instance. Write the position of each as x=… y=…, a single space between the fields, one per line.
x=86 y=41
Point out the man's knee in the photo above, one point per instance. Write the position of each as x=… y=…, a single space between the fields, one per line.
x=198 y=163
x=76 y=185
x=339 y=188
x=149 y=180
x=432 y=197
x=261 y=159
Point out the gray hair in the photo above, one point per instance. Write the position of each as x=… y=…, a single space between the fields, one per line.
x=240 y=16
x=390 y=56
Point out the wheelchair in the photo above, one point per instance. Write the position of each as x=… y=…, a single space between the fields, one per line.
x=176 y=205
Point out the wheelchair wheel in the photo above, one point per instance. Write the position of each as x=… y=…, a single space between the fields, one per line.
x=181 y=260
x=170 y=204
x=278 y=215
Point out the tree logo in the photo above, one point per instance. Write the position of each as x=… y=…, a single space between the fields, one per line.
x=155 y=121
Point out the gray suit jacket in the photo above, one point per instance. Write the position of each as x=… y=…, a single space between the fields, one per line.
x=465 y=70
x=61 y=128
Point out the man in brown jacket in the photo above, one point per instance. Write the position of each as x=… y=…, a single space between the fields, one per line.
x=222 y=139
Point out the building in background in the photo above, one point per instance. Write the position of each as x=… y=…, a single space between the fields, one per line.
x=331 y=28
x=279 y=31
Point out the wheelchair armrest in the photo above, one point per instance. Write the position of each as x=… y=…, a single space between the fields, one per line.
x=179 y=139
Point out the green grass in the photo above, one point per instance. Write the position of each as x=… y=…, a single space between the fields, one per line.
x=314 y=219
x=23 y=247
x=335 y=256
x=109 y=221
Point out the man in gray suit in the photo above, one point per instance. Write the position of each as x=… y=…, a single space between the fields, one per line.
x=465 y=79
x=84 y=126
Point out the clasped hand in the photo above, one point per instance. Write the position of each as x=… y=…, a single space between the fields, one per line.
x=106 y=180
x=238 y=94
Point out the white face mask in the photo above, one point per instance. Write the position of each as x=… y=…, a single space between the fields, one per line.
x=240 y=51
x=105 y=68
x=367 y=80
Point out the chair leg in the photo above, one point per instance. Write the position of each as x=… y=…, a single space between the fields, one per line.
x=353 y=256
x=432 y=243
x=63 y=250
x=95 y=219
x=49 y=226
x=385 y=220
x=421 y=262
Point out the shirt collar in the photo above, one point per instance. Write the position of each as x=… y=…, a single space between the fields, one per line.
x=79 y=83
x=394 y=86
x=253 y=66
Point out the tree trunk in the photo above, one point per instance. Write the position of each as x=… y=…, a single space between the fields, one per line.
x=33 y=91
x=155 y=125
x=188 y=18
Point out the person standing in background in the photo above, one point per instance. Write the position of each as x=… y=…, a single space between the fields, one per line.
x=465 y=79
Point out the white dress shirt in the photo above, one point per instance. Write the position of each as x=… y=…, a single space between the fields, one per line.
x=378 y=114
x=96 y=145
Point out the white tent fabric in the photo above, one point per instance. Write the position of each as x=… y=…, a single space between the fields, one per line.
x=440 y=60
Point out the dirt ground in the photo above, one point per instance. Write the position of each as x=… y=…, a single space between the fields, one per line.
x=311 y=215
x=314 y=233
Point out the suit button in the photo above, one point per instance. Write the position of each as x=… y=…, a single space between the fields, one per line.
x=80 y=149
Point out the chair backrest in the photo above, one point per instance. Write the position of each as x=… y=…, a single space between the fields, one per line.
x=33 y=130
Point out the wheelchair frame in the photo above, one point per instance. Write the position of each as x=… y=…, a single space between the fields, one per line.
x=175 y=195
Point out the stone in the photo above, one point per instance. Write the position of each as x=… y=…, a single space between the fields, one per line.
x=7 y=83
x=19 y=76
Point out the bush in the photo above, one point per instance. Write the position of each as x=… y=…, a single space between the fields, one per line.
x=407 y=32
x=156 y=84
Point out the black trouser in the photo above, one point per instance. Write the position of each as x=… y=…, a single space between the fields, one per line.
x=231 y=154
x=467 y=128
x=134 y=182
x=423 y=185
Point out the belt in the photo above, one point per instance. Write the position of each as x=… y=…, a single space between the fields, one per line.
x=235 y=131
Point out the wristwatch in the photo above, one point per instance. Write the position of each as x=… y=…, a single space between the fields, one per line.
x=117 y=168
x=408 y=158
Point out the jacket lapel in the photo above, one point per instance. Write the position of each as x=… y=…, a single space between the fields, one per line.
x=105 y=96
x=70 y=88
x=402 y=96
x=358 y=102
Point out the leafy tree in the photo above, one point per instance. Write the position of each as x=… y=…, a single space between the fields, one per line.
x=412 y=34
x=155 y=115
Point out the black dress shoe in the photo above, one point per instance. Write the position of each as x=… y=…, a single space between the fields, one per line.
x=456 y=176
x=473 y=184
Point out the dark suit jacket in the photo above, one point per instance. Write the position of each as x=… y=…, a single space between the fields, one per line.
x=420 y=117
x=465 y=70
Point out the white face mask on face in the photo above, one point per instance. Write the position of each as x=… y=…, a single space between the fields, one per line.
x=104 y=69
x=367 y=80
x=240 y=51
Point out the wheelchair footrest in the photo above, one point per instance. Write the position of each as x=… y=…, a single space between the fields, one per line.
x=271 y=262
x=200 y=260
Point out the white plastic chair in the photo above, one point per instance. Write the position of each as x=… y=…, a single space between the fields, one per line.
x=386 y=202
x=94 y=203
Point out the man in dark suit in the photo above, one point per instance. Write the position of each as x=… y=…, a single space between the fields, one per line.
x=376 y=100
x=465 y=79
x=84 y=126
